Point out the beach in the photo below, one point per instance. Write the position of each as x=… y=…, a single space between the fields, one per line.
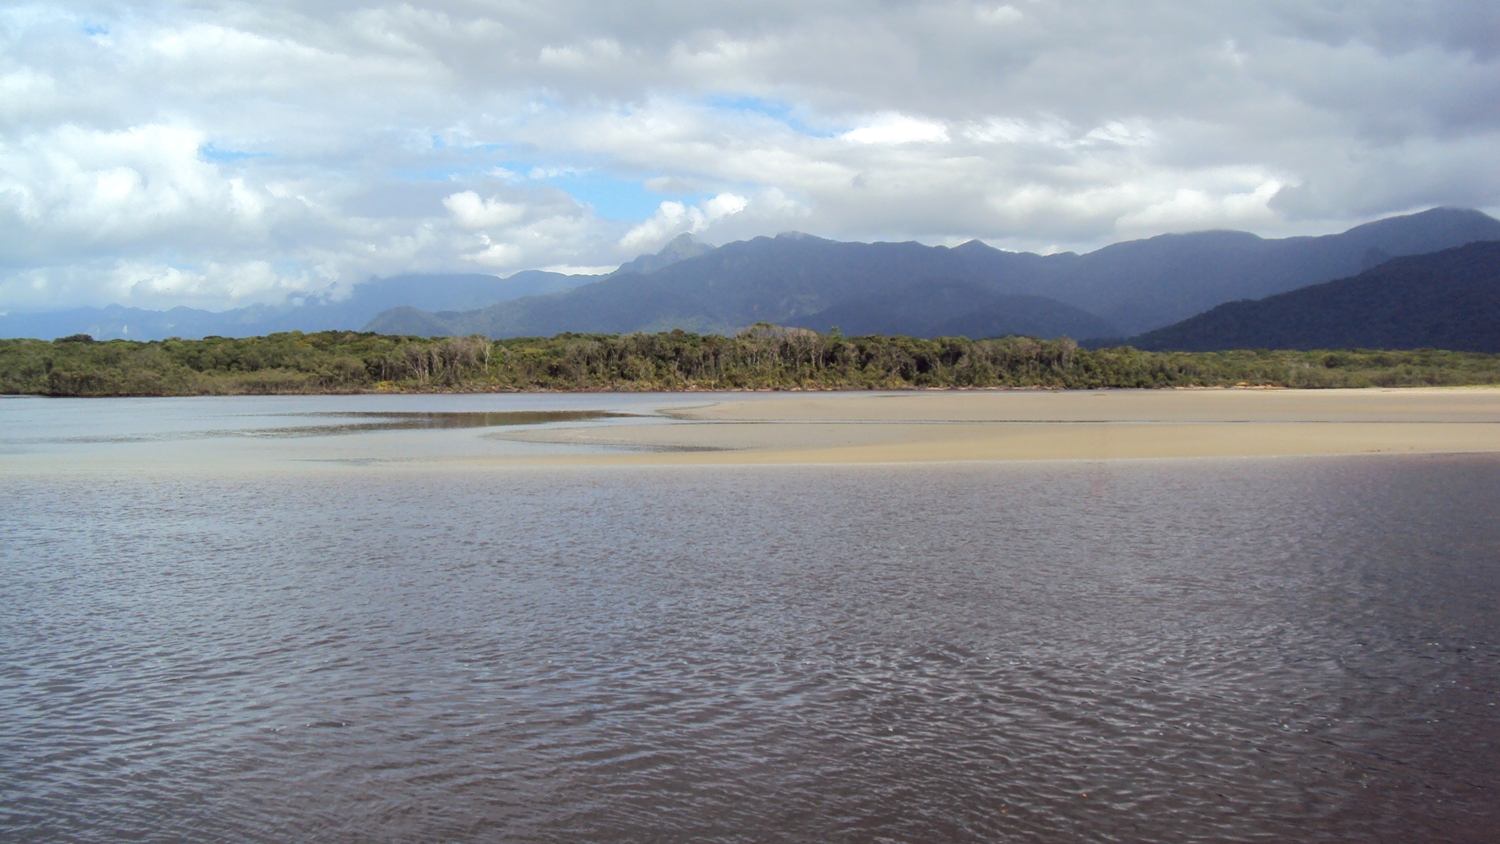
x=495 y=432
x=852 y=428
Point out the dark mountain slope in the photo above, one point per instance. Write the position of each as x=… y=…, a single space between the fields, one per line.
x=414 y=322
x=1144 y=284
x=1137 y=285
x=1443 y=300
x=779 y=280
x=950 y=308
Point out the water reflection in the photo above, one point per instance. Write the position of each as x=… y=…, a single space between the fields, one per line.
x=356 y=423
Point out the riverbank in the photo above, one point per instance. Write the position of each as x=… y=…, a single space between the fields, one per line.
x=1018 y=425
x=237 y=435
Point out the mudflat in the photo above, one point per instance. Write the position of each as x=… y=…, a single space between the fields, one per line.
x=1040 y=425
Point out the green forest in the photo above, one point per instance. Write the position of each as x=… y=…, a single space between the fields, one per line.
x=762 y=357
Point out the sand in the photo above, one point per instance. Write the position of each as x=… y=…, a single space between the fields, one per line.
x=1032 y=425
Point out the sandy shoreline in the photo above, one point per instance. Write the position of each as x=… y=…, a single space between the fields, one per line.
x=1007 y=426
x=776 y=429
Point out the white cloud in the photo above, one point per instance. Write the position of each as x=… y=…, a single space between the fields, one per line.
x=238 y=281
x=723 y=206
x=674 y=218
x=571 y=269
x=552 y=172
x=1013 y=130
x=471 y=212
x=116 y=187
x=496 y=254
x=898 y=129
x=1189 y=208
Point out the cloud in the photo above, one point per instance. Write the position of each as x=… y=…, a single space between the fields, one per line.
x=572 y=269
x=998 y=15
x=674 y=218
x=1014 y=130
x=496 y=254
x=898 y=129
x=115 y=186
x=1198 y=208
x=471 y=212
x=446 y=136
x=596 y=52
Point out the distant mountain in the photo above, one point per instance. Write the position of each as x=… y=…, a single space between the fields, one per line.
x=950 y=308
x=1443 y=300
x=796 y=278
x=417 y=293
x=679 y=248
x=435 y=292
x=1146 y=284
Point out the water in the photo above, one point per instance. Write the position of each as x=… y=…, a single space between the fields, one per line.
x=293 y=433
x=1195 y=650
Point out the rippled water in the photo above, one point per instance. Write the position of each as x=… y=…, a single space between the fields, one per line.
x=1252 y=650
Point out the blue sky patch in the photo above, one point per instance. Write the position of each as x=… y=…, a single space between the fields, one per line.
x=613 y=198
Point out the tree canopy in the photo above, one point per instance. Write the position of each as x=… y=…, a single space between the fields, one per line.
x=762 y=357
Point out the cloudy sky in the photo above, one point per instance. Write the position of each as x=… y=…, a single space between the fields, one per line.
x=216 y=154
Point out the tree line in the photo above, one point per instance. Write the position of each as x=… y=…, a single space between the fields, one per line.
x=761 y=357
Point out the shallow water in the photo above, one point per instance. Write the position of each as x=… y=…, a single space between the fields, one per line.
x=1194 y=650
x=218 y=435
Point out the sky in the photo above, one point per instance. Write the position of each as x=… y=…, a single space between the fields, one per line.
x=217 y=154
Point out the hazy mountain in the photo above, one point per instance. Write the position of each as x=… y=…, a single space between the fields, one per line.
x=794 y=278
x=417 y=293
x=771 y=279
x=679 y=248
x=950 y=308
x=1443 y=300
x=429 y=292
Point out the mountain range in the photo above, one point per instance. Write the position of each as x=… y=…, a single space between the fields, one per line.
x=1442 y=300
x=951 y=308
x=317 y=313
x=908 y=288
x=1126 y=289
x=429 y=292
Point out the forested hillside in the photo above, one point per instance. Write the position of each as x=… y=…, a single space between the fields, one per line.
x=1443 y=300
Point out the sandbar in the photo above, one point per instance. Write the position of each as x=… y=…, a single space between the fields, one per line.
x=919 y=427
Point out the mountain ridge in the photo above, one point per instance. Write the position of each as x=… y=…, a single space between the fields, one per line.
x=1449 y=299
x=952 y=308
x=1134 y=285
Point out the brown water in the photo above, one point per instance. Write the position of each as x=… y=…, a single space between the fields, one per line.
x=1253 y=650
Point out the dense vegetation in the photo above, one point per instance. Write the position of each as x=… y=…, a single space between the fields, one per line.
x=764 y=357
